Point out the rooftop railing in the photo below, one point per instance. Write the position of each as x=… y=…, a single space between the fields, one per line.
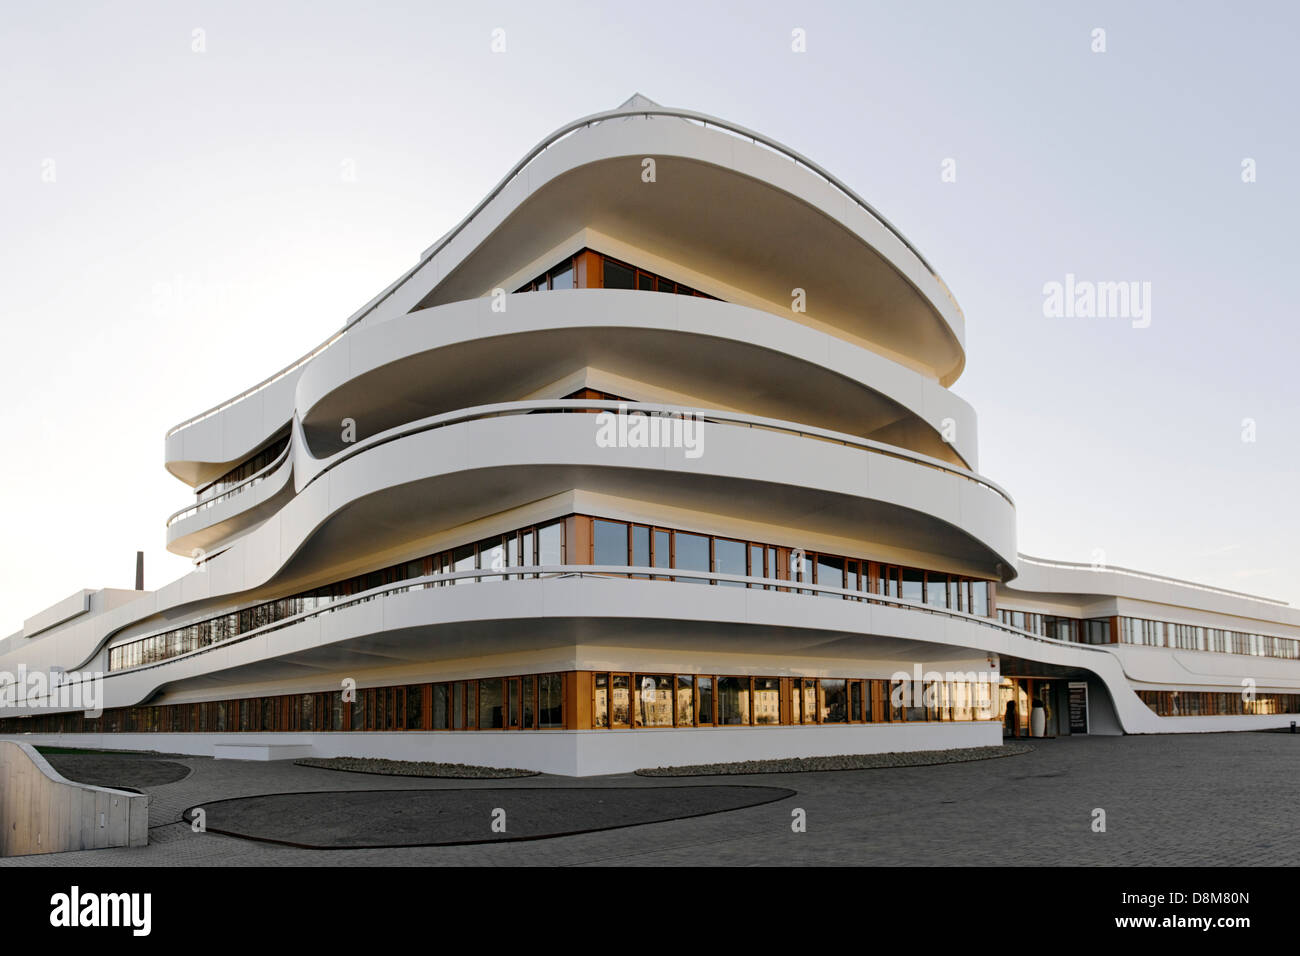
x=1147 y=576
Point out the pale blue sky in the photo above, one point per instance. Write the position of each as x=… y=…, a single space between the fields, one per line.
x=198 y=207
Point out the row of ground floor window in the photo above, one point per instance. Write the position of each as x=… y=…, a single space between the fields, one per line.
x=585 y=700
x=575 y=700
x=1196 y=703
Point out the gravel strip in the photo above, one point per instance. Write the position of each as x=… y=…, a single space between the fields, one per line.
x=916 y=758
x=413 y=768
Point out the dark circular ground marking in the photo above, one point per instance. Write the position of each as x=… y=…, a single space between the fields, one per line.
x=125 y=771
x=376 y=819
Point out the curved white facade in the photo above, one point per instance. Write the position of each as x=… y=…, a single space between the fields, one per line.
x=535 y=511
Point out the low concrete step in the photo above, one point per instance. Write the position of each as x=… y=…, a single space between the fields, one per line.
x=254 y=751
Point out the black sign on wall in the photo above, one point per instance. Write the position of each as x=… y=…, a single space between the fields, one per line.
x=1078 y=707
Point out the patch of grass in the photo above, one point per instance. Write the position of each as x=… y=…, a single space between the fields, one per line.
x=412 y=768
x=912 y=758
x=117 y=753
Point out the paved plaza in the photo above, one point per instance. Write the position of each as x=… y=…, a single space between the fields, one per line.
x=1208 y=800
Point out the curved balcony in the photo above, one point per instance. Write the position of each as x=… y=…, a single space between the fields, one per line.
x=540 y=608
x=721 y=355
x=427 y=476
x=861 y=281
x=233 y=427
x=208 y=523
x=929 y=512
x=219 y=440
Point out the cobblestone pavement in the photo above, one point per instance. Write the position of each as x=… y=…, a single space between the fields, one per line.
x=1207 y=799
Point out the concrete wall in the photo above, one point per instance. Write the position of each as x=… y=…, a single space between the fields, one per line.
x=573 y=753
x=41 y=812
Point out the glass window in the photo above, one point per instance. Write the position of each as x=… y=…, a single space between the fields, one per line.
x=685 y=701
x=463 y=560
x=415 y=707
x=440 y=705
x=705 y=712
x=609 y=542
x=667 y=285
x=733 y=700
x=834 y=702
x=618 y=276
x=513 y=703
x=458 y=706
x=529 y=692
x=645 y=281
x=491 y=715
x=855 y=700
x=640 y=546
x=810 y=702
x=936 y=592
x=767 y=700
x=600 y=701
x=654 y=700
x=830 y=573
x=889 y=582
x=913 y=582
x=919 y=700
x=491 y=556
x=562 y=276
x=620 y=700
x=729 y=558
x=692 y=553
x=550 y=701
x=662 y=550
x=550 y=544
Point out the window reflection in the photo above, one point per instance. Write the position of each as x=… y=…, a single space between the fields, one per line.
x=733 y=700
x=654 y=700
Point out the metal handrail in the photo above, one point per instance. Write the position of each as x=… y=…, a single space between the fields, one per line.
x=534 y=572
x=233 y=490
x=1146 y=575
x=703 y=118
x=503 y=409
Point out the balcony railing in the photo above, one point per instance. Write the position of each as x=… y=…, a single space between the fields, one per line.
x=595 y=572
x=710 y=416
x=254 y=479
x=1147 y=576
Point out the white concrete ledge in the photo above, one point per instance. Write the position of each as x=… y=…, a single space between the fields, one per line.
x=261 y=751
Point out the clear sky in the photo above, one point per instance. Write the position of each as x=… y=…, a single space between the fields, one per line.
x=198 y=232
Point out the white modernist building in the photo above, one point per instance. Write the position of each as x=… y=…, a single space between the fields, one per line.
x=651 y=460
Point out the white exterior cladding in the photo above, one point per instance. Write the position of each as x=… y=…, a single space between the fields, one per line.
x=830 y=429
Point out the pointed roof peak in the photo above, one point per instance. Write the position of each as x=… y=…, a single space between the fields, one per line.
x=637 y=101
